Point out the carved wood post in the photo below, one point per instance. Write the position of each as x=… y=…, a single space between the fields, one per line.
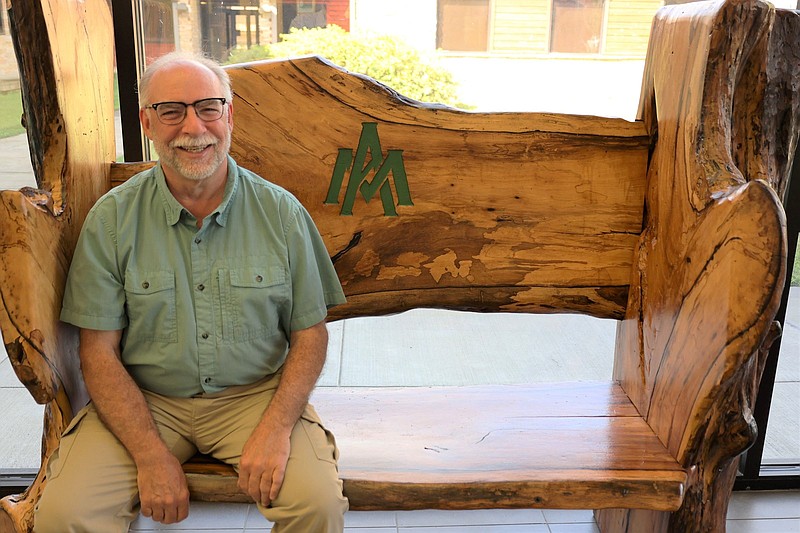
x=67 y=88
x=726 y=112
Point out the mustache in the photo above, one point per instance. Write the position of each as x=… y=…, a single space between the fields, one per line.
x=187 y=141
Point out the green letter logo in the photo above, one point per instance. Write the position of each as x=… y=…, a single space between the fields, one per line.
x=361 y=168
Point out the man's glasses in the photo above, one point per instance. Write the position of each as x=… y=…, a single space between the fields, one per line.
x=172 y=113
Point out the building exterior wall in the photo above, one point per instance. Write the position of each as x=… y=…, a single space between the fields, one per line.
x=627 y=27
x=520 y=26
x=515 y=26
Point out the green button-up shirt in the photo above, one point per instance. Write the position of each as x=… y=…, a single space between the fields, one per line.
x=201 y=310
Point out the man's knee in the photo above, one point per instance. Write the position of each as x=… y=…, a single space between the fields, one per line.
x=58 y=515
x=326 y=502
x=65 y=508
x=51 y=518
x=73 y=515
x=320 y=507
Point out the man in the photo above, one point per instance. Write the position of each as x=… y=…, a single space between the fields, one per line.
x=201 y=292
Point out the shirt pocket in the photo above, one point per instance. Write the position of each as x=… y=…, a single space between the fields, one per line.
x=253 y=299
x=151 y=301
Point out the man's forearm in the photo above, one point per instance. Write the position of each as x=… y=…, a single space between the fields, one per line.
x=117 y=398
x=163 y=492
x=307 y=353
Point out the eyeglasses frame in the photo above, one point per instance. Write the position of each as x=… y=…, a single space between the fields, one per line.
x=154 y=107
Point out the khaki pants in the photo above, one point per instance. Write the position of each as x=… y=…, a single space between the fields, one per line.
x=91 y=479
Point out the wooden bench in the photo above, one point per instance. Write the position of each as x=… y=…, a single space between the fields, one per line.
x=672 y=225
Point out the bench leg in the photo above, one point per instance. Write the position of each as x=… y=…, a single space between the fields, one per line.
x=710 y=484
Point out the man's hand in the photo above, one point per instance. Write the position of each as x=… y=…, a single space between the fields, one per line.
x=163 y=492
x=263 y=464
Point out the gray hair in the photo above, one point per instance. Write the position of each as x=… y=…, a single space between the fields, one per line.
x=173 y=58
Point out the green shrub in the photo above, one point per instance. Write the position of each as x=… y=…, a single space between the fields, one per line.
x=384 y=58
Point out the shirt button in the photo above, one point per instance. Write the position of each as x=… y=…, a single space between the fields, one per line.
x=201 y=287
x=204 y=335
x=145 y=284
x=198 y=240
x=206 y=380
x=259 y=279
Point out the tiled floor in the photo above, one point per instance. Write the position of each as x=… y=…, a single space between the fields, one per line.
x=756 y=512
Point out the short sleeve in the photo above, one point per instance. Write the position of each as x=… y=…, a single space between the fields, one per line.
x=94 y=297
x=315 y=284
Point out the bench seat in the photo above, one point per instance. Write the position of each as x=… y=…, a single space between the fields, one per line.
x=549 y=445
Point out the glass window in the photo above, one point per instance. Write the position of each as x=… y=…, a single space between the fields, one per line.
x=221 y=27
x=463 y=25
x=159 y=30
x=577 y=26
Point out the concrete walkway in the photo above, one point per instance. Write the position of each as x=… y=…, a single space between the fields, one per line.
x=15 y=163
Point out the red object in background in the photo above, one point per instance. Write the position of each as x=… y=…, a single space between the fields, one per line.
x=338 y=12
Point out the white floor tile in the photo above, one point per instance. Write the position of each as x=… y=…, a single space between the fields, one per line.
x=370 y=530
x=203 y=516
x=486 y=517
x=364 y=519
x=565 y=516
x=513 y=528
x=573 y=528
x=194 y=529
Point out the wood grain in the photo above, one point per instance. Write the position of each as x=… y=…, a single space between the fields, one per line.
x=511 y=212
x=565 y=445
x=711 y=259
x=71 y=149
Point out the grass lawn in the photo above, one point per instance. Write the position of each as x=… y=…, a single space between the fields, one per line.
x=10 y=114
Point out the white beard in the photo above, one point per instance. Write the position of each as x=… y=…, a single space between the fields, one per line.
x=170 y=154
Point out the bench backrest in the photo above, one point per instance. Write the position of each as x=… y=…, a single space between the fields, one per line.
x=423 y=206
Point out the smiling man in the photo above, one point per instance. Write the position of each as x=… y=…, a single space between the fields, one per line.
x=201 y=292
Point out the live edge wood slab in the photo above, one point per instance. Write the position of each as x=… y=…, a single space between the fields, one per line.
x=671 y=224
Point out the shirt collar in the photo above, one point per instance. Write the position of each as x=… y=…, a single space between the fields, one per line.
x=173 y=209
